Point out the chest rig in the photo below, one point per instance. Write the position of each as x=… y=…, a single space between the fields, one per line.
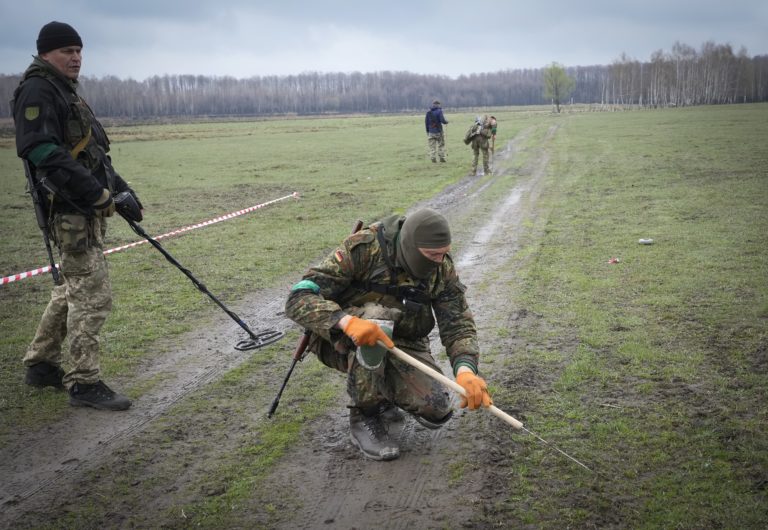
x=84 y=136
x=390 y=288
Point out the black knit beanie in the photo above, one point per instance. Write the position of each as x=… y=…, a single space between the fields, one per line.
x=55 y=35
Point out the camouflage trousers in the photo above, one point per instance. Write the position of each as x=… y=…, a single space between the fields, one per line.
x=486 y=156
x=79 y=306
x=436 y=146
x=393 y=382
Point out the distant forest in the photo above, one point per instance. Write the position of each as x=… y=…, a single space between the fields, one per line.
x=684 y=76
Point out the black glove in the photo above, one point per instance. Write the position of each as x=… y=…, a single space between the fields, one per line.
x=129 y=206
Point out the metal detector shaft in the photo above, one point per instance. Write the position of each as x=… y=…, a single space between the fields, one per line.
x=453 y=385
x=200 y=286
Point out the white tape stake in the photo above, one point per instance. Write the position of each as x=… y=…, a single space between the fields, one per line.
x=47 y=268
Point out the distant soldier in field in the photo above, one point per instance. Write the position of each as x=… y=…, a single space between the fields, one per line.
x=434 y=121
x=480 y=143
x=398 y=272
x=66 y=148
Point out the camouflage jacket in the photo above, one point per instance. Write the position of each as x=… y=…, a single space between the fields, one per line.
x=58 y=134
x=359 y=270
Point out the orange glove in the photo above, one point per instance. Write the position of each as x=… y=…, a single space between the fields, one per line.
x=366 y=333
x=477 y=391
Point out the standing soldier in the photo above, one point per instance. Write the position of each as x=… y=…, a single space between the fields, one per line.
x=66 y=148
x=480 y=143
x=434 y=121
x=400 y=272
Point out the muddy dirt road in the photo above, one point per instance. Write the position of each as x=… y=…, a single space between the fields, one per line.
x=332 y=485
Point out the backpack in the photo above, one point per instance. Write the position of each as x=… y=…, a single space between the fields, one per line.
x=473 y=131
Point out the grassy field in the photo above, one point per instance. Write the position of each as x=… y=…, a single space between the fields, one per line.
x=653 y=369
x=663 y=383
x=344 y=169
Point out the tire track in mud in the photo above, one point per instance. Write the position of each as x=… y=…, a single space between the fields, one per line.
x=343 y=490
x=35 y=464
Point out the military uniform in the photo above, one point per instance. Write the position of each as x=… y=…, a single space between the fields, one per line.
x=480 y=143
x=57 y=133
x=362 y=273
x=434 y=121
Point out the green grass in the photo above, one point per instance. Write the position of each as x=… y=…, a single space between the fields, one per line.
x=651 y=370
x=663 y=389
x=343 y=168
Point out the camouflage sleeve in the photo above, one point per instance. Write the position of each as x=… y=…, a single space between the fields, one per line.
x=312 y=302
x=455 y=321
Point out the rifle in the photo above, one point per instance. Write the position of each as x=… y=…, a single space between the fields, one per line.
x=42 y=219
x=301 y=347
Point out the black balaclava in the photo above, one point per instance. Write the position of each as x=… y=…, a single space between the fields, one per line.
x=424 y=229
x=55 y=35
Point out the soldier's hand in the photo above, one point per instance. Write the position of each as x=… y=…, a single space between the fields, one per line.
x=104 y=205
x=476 y=389
x=366 y=333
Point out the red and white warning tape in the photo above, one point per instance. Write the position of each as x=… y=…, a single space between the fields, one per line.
x=47 y=268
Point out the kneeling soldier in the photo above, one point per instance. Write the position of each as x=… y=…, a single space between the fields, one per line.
x=391 y=282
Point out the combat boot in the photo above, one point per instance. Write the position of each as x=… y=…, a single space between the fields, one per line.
x=98 y=396
x=390 y=413
x=44 y=374
x=369 y=434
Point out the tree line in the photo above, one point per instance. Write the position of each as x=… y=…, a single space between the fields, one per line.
x=714 y=74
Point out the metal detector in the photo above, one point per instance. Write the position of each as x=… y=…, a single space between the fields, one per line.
x=128 y=208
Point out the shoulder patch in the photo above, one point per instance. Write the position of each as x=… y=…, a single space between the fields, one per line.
x=32 y=113
x=363 y=236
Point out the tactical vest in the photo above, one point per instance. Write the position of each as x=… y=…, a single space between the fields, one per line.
x=391 y=287
x=85 y=138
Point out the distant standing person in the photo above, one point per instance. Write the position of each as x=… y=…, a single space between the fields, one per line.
x=66 y=147
x=480 y=143
x=434 y=122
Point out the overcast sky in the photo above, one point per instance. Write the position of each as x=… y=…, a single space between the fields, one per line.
x=242 y=38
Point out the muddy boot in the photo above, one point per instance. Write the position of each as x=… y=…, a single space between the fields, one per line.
x=443 y=160
x=390 y=413
x=434 y=161
x=369 y=434
x=44 y=374
x=98 y=396
x=429 y=424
